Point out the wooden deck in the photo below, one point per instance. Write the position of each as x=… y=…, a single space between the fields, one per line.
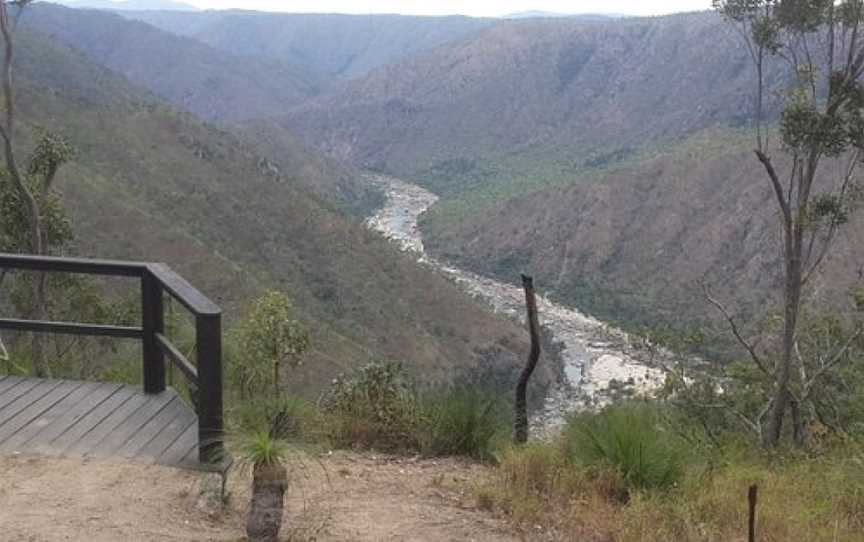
x=99 y=420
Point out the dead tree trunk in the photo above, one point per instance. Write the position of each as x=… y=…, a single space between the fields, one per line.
x=751 y=501
x=520 y=424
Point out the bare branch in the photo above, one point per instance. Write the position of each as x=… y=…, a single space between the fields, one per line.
x=836 y=360
x=735 y=331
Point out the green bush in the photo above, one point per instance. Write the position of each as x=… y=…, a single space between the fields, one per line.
x=629 y=439
x=375 y=407
x=262 y=448
x=289 y=419
x=459 y=421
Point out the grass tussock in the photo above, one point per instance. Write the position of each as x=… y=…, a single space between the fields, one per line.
x=627 y=439
x=379 y=407
x=591 y=490
x=461 y=422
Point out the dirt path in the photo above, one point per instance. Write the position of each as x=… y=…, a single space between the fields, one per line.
x=339 y=497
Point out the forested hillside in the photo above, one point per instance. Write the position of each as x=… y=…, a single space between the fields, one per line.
x=498 y=117
x=213 y=84
x=635 y=242
x=528 y=97
x=152 y=183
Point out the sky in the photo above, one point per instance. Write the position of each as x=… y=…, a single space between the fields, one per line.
x=476 y=8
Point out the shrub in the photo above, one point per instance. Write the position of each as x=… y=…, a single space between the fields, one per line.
x=375 y=407
x=459 y=421
x=262 y=448
x=287 y=418
x=630 y=440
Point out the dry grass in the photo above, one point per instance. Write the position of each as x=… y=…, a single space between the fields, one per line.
x=811 y=499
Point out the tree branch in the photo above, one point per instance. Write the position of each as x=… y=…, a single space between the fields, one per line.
x=837 y=359
x=775 y=183
x=735 y=331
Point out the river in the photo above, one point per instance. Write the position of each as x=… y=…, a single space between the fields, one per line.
x=599 y=360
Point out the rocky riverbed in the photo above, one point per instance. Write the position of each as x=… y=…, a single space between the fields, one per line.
x=599 y=361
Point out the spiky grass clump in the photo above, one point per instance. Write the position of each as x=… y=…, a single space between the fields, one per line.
x=263 y=449
x=462 y=422
x=630 y=440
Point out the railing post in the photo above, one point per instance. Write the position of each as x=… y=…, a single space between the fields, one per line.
x=153 y=322
x=208 y=328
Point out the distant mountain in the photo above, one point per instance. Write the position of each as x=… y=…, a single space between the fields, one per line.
x=530 y=96
x=536 y=14
x=212 y=83
x=332 y=47
x=166 y=5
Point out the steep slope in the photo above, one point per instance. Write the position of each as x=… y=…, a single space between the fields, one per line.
x=634 y=244
x=151 y=183
x=528 y=95
x=213 y=84
x=334 y=47
x=210 y=83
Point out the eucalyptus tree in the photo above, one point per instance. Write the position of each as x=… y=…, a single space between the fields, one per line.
x=821 y=126
x=32 y=219
x=269 y=339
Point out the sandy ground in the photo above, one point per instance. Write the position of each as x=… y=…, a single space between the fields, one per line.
x=344 y=497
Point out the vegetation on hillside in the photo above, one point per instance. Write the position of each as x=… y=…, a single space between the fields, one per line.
x=604 y=213
x=151 y=183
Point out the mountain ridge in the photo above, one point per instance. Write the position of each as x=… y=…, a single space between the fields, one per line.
x=558 y=90
x=334 y=47
x=164 y=5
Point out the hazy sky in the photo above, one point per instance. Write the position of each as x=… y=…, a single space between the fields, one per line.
x=466 y=7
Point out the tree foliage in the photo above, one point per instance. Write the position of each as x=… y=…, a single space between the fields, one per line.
x=822 y=122
x=52 y=151
x=269 y=339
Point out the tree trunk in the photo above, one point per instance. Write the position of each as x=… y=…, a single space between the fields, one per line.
x=520 y=424
x=7 y=130
x=269 y=483
x=792 y=303
x=799 y=431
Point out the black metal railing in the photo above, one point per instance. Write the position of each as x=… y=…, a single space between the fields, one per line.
x=156 y=279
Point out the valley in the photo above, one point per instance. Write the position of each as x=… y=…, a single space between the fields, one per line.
x=595 y=356
x=360 y=194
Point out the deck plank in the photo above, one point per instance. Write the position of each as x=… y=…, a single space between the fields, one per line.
x=181 y=421
x=150 y=430
x=11 y=425
x=86 y=423
x=132 y=425
x=100 y=420
x=187 y=443
x=13 y=393
x=8 y=383
x=23 y=401
x=61 y=422
x=89 y=441
x=69 y=404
